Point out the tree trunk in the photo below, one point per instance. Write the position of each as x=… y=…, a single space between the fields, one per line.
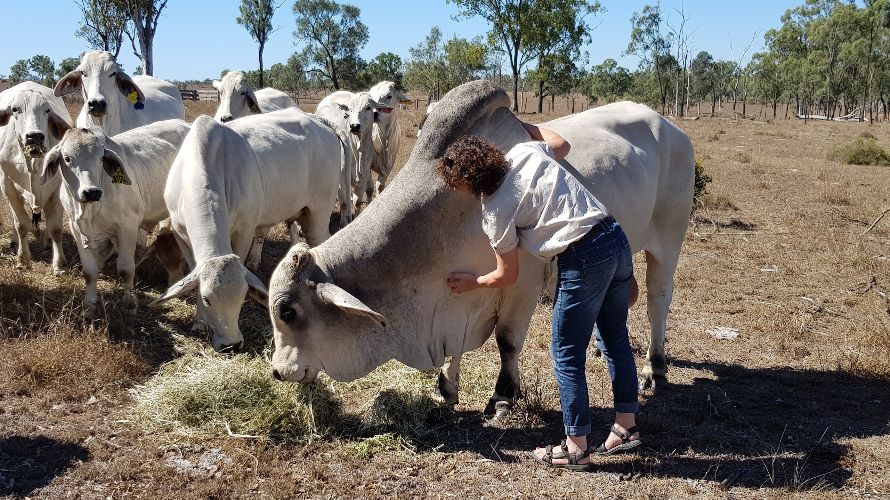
x=540 y=97
x=262 y=84
x=515 y=91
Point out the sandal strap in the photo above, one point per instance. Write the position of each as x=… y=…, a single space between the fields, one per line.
x=624 y=435
x=575 y=457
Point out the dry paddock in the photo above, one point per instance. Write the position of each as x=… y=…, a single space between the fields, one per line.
x=797 y=405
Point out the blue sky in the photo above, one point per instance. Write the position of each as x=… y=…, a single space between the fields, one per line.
x=196 y=39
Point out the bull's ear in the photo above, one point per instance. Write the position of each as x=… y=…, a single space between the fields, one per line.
x=336 y=296
x=5 y=115
x=52 y=163
x=251 y=101
x=402 y=98
x=255 y=287
x=57 y=125
x=217 y=84
x=129 y=88
x=181 y=288
x=69 y=83
x=114 y=167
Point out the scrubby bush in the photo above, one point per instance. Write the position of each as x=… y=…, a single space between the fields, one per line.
x=701 y=180
x=864 y=150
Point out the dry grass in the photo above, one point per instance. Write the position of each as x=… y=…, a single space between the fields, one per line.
x=776 y=253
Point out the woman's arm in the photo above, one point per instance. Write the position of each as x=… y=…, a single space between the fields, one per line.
x=504 y=275
x=557 y=143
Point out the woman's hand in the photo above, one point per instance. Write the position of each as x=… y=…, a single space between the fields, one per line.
x=461 y=282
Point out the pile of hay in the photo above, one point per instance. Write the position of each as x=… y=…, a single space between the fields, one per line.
x=207 y=394
x=864 y=150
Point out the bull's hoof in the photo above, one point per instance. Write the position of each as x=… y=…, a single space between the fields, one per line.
x=498 y=408
x=58 y=271
x=446 y=392
x=22 y=264
x=654 y=381
x=91 y=313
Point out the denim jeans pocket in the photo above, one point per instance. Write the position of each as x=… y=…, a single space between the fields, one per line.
x=598 y=267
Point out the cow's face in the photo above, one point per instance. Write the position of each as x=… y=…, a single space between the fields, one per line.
x=222 y=283
x=84 y=160
x=34 y=121
x=388 y=97
x=359 y=114
x=236 y=98
x=316 y=325
x=99 y=78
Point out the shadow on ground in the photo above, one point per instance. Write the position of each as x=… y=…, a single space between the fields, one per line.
x=779 y=428
x=29 y=463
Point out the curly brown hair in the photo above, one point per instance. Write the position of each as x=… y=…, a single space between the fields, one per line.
x=475 y=163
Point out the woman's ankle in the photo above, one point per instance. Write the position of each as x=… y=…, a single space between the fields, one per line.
x=626 y=420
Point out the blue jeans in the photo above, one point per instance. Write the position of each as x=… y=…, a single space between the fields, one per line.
x=594 y=276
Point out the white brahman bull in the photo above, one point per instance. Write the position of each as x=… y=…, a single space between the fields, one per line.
x=230 y=182
x=237 y=98
x=376 y=291
x=429 y=109
x=353 y=114
x=112 y=187
x=32 y=120
x=116 y=102
x=387 y=134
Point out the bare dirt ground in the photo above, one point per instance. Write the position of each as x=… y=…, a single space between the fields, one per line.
x=797 y=405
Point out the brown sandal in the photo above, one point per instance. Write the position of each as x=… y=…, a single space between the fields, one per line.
x=627 y=443
x=563 y=452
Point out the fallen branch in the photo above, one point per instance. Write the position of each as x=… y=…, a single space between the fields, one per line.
x=847 y=217
x=239 y=436
x=873 y=285
x=875 y=223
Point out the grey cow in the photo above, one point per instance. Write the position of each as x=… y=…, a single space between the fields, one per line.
x=376 y=291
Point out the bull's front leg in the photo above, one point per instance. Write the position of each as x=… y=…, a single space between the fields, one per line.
x=127 y=241
x=22 y=222
x=90 y=266
x=510 y=333
x=54 y=229
x=448 y=385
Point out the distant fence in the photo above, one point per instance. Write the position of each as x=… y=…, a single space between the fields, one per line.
x=199 y=94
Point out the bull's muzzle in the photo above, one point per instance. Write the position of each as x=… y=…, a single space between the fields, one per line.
x=90 y=195
x=355 y=128
x=34 y=139
x=97 y=107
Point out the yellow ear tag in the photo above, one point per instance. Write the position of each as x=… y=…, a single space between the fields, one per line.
x=132 y=97
x=117 y=177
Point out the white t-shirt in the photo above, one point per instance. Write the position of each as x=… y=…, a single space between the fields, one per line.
x=539 y=205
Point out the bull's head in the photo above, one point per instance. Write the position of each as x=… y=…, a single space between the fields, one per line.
x=236 y=97
x=34 y=121
x=313 y=320
x=86 y=164
x=99 y=78
x=222 y=283
x=387 y=95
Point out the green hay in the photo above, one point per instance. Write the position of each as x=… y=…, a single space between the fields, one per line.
x=202 y=393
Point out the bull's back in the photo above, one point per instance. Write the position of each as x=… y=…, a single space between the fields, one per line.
x=163 y=101
x=269 y=99
x=626 y=154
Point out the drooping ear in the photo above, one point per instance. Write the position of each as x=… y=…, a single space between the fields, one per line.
x=402 y=98
x=251 y=101
x=57 y=125
x=5 y=115
x=128 y=87
x=114 y=167
x=346 y=302
x=255 y=287
x=181 y=288
x=217 y=84
x=52 y=163
x=70 y=83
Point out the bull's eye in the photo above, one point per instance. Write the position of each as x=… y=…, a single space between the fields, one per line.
x=83 y=74
x=112 y=75
x=368 y=108
x=287 y=314
x=389 y=96
x=48 y=110
x=16 y=110
x=243 y=93
x=205 y=300
x=345 y=115
x=67 y=159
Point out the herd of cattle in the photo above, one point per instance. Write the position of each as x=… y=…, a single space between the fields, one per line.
x=344 y=304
